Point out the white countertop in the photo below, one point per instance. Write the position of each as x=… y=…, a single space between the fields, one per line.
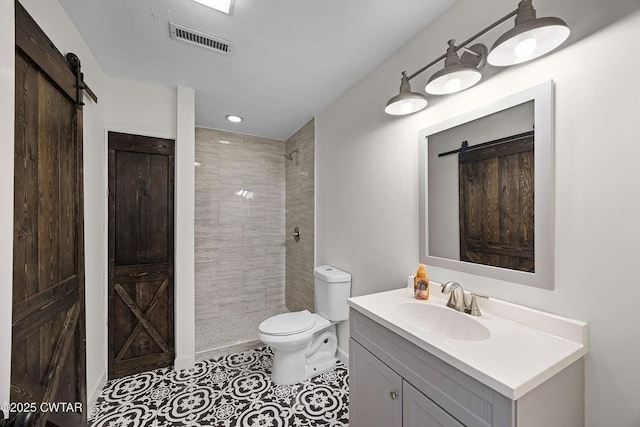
x=525 y=348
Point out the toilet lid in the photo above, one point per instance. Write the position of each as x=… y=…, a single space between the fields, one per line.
x=288 y=323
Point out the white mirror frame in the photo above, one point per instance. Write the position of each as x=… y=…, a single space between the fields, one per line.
x=543 y=277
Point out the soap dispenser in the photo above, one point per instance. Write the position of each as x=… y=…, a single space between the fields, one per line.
x=421 y=284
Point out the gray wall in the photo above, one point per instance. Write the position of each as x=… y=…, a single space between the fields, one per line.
x=300 y=213
x=239 y=221
x=444 y=218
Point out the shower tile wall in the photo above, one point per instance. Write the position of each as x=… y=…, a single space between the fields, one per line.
x=300 y=213
x=239 y=242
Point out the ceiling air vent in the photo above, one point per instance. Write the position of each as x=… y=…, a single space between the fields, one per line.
x=178 y=32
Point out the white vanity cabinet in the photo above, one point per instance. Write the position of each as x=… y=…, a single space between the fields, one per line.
x=393 y=383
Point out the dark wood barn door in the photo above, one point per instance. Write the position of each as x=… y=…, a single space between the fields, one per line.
x=48 y=333
x=141 y=193
x=497 y=205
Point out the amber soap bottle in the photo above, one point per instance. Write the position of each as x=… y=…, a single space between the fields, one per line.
x=421 y=284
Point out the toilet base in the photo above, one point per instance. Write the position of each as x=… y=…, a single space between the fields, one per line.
x=318 y=356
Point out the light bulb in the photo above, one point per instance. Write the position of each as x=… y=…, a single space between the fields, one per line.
x=526 y=47
x=453 y=85
x=406 y=107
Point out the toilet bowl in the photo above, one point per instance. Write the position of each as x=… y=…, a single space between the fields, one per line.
x=305 y=343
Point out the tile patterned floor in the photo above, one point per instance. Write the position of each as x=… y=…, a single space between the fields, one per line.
x=232 y=391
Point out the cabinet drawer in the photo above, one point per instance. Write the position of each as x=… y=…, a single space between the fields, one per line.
x=468 y=400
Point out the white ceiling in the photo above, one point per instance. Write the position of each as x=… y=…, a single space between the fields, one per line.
x=290 y=58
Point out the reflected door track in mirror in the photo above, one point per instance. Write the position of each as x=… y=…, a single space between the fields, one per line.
x=530 y=38
x=465 y=147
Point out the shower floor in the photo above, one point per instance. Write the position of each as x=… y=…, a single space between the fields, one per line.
x=230 y=331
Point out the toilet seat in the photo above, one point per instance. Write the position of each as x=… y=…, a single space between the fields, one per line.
x=288 y=323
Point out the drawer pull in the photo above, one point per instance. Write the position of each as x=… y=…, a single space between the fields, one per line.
x=394 y=395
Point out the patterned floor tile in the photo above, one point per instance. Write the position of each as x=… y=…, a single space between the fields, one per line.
x=232 y=391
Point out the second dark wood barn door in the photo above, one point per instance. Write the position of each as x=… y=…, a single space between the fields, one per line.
x=141 y=194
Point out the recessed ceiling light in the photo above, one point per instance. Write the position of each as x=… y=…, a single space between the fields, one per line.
x=223 y=6
x=234 y=118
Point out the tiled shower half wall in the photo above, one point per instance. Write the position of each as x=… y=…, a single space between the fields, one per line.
x=240 y=234
x=300 y=213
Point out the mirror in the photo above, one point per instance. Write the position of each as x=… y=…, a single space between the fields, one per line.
x=486 y=190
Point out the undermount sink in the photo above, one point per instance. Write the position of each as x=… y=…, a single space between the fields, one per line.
x=442 y=320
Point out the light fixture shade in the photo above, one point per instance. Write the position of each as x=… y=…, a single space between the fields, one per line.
x=452 y=79
x=530 y=38
x=406 y=102
x=458 y=75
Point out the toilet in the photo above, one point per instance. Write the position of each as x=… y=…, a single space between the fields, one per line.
x=304 y=343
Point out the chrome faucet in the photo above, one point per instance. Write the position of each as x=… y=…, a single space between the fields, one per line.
x=458 y=299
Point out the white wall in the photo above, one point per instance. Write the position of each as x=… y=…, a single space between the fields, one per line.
x=367 y=184
x=7 y=84
x=139 y=108
x=185 y=314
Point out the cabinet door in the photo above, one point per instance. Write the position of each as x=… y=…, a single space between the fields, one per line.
x=419 y=411
x=375 y=391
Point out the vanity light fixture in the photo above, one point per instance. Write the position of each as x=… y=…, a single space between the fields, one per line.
x=233 y=118
x=530 y=38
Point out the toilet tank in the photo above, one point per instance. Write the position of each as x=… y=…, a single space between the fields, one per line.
x=332 y=287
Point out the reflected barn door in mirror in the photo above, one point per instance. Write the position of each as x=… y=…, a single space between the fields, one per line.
x=496 y=204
